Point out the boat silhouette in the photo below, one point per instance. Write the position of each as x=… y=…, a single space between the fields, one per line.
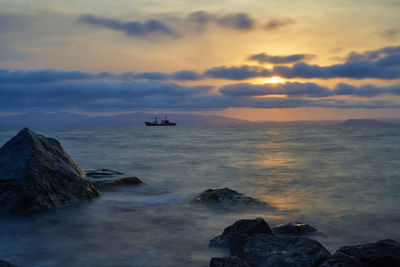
x=164 y=122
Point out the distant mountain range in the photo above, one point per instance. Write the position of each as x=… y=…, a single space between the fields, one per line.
x=138 y=119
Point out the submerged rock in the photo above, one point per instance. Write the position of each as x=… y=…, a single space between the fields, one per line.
x=6 y=264
x=107 y=177
x=227 y=198
x=246 y=227
x=382 y=253
x=230 y=261
x=340 y=259
x=294 y=228
x=37 y=174
x=270 y=251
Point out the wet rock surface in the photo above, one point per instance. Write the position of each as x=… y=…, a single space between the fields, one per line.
x=382 y=253
x=107 y=177
x=294 y=228
x=266 y=250
x=246 y=227
x=230 y=261
x=340 y=259
x=36 y=174
x=227 y=198
x=6 y=264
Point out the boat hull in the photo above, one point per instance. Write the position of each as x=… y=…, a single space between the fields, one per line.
x=147 y=123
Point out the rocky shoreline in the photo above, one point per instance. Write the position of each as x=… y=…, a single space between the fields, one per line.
x=37 y=175
x=254 y=243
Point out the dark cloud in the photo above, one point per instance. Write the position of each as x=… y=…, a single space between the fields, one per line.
x=274 y=24
x=236 y=73
x=237 y=21
x=186 y=75
x=46 y=76
x=131 y=28
x=265 y=58
x=373 y=54
x=115 y=95
x=296 y=89
x=152 y=76
x=386 y=68
x=240 y=21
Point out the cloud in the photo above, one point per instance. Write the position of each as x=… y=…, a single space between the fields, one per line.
x=391 y=33
x=237 y=21
x=46 y=76
x=275 y=24
x=265 y=58
x=373 y=54
x=296 y=89
x=386 y=68
x=290 y=89
x=21 y=91
x=186 y=75
x=151 y=76
x=240 y=21
x=130 y=28
x=236 y=73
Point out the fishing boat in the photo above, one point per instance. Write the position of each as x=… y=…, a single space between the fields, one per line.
x=164 y=122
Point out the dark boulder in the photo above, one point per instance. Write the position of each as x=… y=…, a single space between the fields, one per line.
x=6 y=264
x=107 y=177
x=267 y=251
x=246 y=227
x=340 y=259
x=294 y=228
x=227 y=199
x=382 y=253
x=230 y=261
x=36 y=174
x=237 y=242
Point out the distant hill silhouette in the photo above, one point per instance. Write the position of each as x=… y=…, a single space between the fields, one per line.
x=138 y=119
x=129 y=119
x=366 y=122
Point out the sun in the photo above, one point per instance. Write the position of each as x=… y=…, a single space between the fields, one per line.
x=274 y=79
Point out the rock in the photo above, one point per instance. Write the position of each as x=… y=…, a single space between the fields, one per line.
x=382 y=253
x=6 y=264
x=230 y=261
x=246 y=227
x=237 y=243
x=107 y=177
x=340 y=259
x=294 y=228
x=36 y=174
x=265 y=250
x=227 y=198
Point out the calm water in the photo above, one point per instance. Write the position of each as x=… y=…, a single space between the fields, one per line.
x=345 y=181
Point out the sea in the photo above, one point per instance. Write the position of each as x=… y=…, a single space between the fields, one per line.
x=342 y=180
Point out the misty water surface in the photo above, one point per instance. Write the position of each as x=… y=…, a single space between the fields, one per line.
x=342 y=180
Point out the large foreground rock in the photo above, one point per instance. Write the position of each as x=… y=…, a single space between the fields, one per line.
x=227 y=198
x=269 y=251
x=380 y=254
x=36 y=174
x=107 y=177
x=244 y=227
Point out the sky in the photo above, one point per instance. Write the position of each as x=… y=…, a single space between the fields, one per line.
x=276 y=60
